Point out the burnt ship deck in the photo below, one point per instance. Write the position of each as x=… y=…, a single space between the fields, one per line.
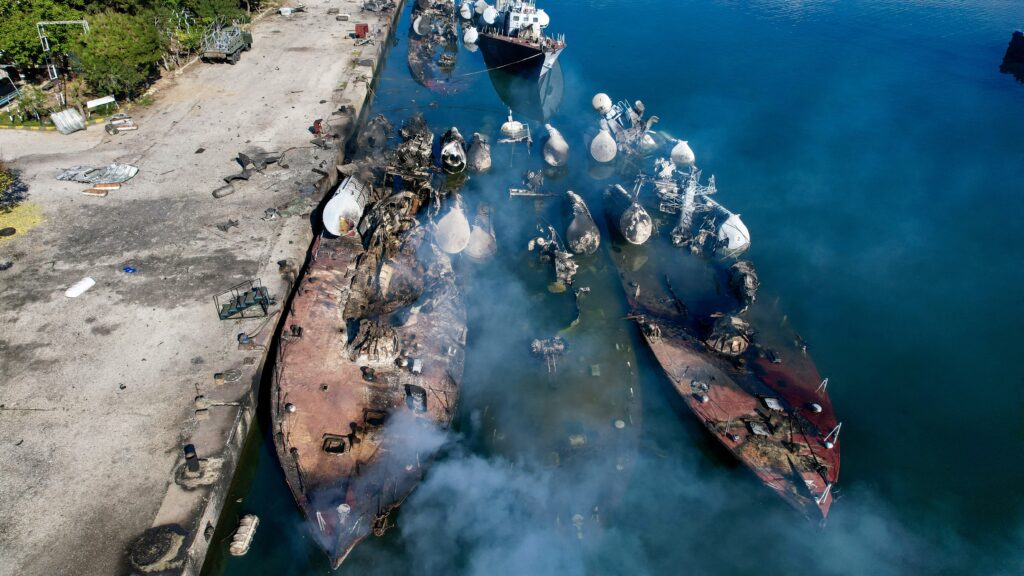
x=367 y=374
x=768 y=406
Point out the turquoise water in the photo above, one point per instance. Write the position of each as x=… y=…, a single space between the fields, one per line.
x=876 y=154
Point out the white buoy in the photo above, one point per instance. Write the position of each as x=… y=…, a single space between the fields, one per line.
x=490 y=15
x=603 y=147
x=602 y=103
x=682 y=154
x=480 y=6
x=556 y=149
x=79 y=288
x=452 y=231
x=466 y=10
x=470 y=36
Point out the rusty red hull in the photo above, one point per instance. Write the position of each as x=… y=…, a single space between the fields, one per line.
x=366 y=379
x=768 y=406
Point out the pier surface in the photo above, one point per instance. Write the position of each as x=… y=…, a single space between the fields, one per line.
x=100 y=393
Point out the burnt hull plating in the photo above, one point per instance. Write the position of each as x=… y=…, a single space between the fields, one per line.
x=363 y=386
x=767 y=406
x=517 y=57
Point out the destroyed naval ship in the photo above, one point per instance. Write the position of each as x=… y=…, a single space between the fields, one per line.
x=732 y=359
x=371 y=354
x=433 y=44
x=511 y=38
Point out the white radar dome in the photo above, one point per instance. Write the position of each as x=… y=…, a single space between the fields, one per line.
x=603 y=147
x=490 y=15
x=682 y=154
x=543 y=19
x=471 y=35
x=602 y=103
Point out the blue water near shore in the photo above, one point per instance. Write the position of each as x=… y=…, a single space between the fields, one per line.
x=877 y=156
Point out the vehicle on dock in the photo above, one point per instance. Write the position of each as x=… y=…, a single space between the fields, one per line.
x=369 y=364
x=223 y=42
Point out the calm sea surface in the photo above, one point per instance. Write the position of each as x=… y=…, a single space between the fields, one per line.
x=877 y=156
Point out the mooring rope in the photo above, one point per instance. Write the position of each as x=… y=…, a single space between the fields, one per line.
x=500 y=67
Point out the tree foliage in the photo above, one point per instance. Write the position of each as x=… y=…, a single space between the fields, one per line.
x=127 y=38
x=120 y=54
x=19 y=38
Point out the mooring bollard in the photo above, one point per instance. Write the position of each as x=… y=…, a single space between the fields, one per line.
x=191 y=459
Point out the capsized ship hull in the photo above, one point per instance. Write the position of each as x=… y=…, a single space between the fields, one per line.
x=767 y=405
x=367 y=374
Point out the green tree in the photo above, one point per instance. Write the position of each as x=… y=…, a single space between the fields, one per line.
x=32 y=102
x=19 y=39
x=121 y=52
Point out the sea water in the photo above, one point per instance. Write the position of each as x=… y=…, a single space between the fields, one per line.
x=875 y=152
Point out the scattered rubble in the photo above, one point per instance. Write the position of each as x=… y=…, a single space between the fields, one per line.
x=744 y=282
x=377 y=5
x=730 y=336
x=120 y=123
x=550 y=247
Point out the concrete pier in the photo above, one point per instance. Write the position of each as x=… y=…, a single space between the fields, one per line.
x=101 y=393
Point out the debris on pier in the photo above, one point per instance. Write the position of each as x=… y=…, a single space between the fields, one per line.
x=106 y=174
